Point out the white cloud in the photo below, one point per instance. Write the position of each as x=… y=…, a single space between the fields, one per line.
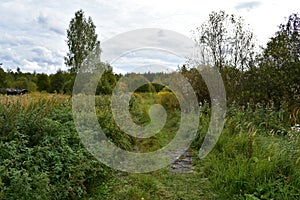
x=248 y=5
x=142 y=59
x=29 y=26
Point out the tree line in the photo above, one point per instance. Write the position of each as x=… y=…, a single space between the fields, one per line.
x=270 y=76
x=224 y=41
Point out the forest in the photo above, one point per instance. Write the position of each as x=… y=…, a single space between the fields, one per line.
x=256 y=157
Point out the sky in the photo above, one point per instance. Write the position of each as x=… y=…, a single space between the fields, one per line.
x=33 y=32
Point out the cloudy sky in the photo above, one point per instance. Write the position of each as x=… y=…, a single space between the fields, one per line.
x=33 y=32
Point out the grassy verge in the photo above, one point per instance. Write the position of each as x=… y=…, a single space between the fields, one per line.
x=160 y=185
x=256 y=157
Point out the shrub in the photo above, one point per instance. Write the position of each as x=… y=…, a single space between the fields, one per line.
x=42 y=156
x=168 y=100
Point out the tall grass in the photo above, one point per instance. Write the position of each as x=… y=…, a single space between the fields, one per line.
x=35 y=100
x=42 y=157
x=256 y=157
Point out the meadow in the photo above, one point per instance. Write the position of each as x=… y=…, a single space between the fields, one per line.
x=42 y=156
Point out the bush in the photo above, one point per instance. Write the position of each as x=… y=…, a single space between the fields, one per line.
x=42 y=156
x=168 y=100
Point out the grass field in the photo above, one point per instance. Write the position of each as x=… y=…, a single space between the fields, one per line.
x=42 y=157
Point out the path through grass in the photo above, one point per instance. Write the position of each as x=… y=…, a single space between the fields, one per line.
x=161 y=185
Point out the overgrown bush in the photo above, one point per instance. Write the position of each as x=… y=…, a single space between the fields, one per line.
x=42 y=156
x=168 y=100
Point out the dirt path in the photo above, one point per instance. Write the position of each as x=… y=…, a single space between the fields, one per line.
x=182 y=164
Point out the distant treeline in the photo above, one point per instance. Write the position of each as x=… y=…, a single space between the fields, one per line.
x=269 y=77
x=252 y=86
x=60 y=82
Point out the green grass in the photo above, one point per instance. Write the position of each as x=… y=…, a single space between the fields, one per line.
x=256 y=157
x=160 y=185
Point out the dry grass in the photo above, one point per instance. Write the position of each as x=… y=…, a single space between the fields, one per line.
x=36 y=99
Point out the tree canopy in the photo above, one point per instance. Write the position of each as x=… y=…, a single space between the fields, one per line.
x=224 y=40
x=81 y=40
